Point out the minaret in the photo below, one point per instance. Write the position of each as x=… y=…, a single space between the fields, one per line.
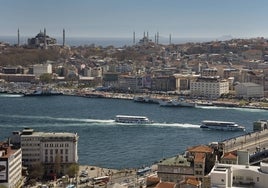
x=134 y=38
x=45 y=38
x=169 y=39
x=18 y=37
x=157 y=38
x=63 y=37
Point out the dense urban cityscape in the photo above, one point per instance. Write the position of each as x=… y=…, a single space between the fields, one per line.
x=231 y=72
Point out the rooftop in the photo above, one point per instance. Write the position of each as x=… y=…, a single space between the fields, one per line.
x=178 y=160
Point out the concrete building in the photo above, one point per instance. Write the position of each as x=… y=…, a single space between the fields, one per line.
x=10 y=166
x=210 y=87
x=209 y=72
x=230 y=175
x=249 y=90
x=39 y=69
x=175 y=169
x=49 y=149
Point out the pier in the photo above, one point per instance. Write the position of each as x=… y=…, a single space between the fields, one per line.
x=256 y=143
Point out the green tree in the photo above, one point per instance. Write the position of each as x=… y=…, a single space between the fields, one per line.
x=36 y=171
x=46 y=78
x=73 y=170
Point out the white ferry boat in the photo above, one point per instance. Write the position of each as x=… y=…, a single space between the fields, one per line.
x=221 y=125
x=132 y=119
x=176 y=103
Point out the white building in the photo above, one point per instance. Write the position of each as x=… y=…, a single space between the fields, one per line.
x=49 y=149
x=39 y=69
x=210 y=87
x=10 y=166
x=226 y=175
x=248 y=89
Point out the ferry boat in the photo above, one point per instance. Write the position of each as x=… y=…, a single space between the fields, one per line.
x=176 y=103
x=221 y=125
x=132 y=119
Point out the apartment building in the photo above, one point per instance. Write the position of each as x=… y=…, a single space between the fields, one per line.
x=10 y=166
x=39 y=69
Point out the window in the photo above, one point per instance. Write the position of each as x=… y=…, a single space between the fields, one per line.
x=66 y=151
x=51 y=151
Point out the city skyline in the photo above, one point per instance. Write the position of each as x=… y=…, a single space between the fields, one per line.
x=120 y=18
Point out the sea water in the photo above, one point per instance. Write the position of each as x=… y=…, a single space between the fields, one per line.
x=102 y=142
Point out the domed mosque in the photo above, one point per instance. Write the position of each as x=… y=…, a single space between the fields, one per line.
x=41 y=40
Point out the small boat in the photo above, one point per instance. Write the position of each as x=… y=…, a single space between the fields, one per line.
x=221 y=125
x=132 y=119
x=176 y=103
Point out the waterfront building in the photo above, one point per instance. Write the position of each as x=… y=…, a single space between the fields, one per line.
x=183 y=82
x=17 y=77
x=249 y=90
x=130 y=83
x=10 y=166
x=39 y=69
x=163 y=83
x=49 y=149
x=210 y=87
x=233 y=175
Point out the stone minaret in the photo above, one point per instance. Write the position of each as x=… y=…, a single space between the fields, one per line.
x=18 y=37
x=45 y=38
x=63 y=37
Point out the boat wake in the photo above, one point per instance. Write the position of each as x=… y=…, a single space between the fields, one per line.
x=232 y=108
x=39 y=121
x=182 y=125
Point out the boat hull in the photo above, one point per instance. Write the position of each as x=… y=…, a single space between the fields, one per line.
x=221 y=125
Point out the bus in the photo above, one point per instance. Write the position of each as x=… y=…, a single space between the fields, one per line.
x=101 y=179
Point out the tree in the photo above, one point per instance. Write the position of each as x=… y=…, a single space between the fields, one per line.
x=45 y=78
x=57 y=165
x=73 y=170
x=36 y=171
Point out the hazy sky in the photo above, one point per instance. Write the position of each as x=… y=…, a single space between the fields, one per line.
x=120 y=18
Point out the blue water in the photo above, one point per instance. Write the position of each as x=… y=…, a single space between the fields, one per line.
x=105 y=143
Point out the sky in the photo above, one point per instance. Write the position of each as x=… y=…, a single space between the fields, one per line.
x=120 y=18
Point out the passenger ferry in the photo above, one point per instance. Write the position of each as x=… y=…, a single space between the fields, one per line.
x=221 y=125
x=132 y=119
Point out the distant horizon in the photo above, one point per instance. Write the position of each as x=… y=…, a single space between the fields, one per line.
x=119 y=41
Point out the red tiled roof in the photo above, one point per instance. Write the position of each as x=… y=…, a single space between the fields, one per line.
x=165 y=185
x=199 y=157
x=229 y=156
x=200 y=149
